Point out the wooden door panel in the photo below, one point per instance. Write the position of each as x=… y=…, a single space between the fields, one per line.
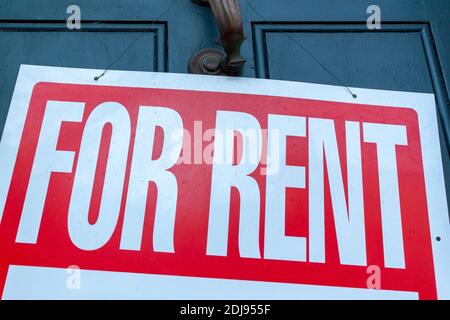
x=392 y=59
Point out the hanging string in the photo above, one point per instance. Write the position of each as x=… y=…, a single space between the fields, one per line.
x=295 y=41
x=133 y=42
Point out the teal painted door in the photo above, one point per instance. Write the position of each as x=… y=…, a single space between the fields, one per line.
x=322 y=41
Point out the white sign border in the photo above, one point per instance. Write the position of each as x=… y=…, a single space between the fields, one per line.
x=424 y=104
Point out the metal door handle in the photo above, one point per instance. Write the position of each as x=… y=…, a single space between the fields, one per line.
x=229 y=22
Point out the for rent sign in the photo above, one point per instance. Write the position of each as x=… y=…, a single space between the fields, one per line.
x=178 y=186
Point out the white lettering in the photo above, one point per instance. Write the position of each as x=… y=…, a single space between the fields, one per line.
x=349 y=222
x=84 y=235
x=226 y=175
x=386 y=138
x=46 y=161
x=277 y=245
x=144 y=170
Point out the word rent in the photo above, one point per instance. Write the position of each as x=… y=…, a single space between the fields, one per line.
x=323 y=161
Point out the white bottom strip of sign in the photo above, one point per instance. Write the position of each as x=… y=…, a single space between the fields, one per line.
x=24 y=282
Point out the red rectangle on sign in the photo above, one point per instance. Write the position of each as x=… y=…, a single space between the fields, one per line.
x=220 y=185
